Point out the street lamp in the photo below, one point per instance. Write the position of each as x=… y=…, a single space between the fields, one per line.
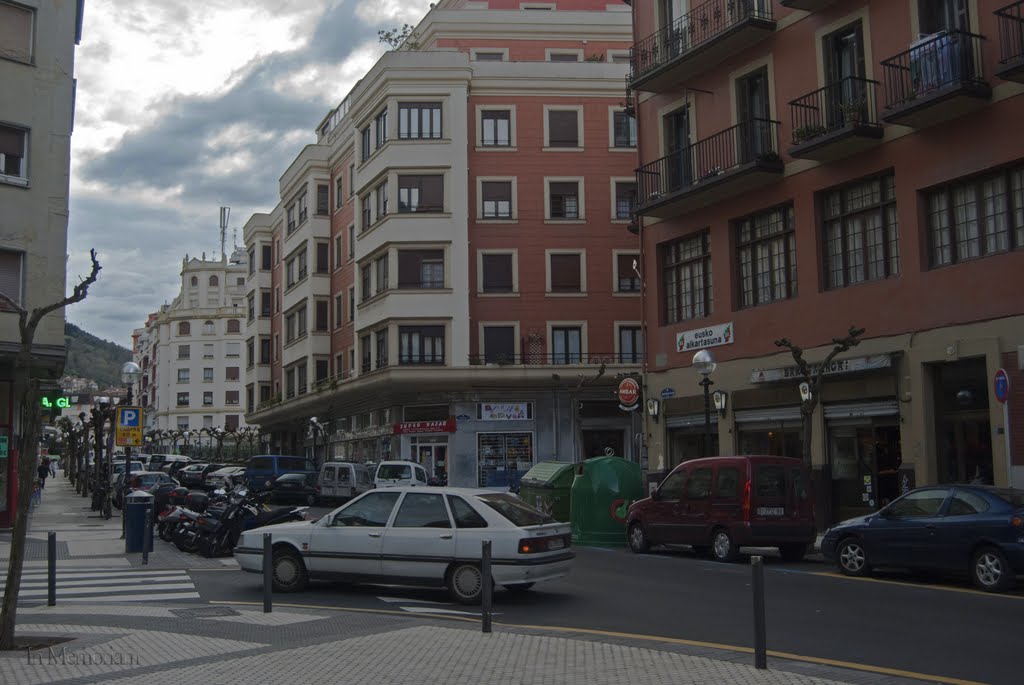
x=130 y=373
x=705 y=365
x=315 y=426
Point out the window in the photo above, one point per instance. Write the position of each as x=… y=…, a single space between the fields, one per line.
x=183 y=420
x=563 y=128
x=252 y=261
x=289 y=382
x=301 y=375
x=419 y=120
x=382 y=348
x=365 y=280
x=421 y=268
x=184 y=328
x=207 y=399
x=976 y=218
x=565 y=273
x=766 y=253
x=183 y=375
x=497 y=273
x=301 y=203
x=421 y=193
x=686 y=264
x=672 y=487
x=351 y=243
x=13 y=143
x=698 y=485
x=366 y=351
x=499 y=344
x=184 y=352
x=234 y=326
x=323 y=198
x=300 y=319
x=339 y=310
x=918 y=504
x=861 y=232
x=194 y=282
x=322 y=369
x=214 y=282
x=16 y=38
x=566 y=345
x=351 y=180
x=627 y=280
x=372 y=510
x=183 y=400
x=338 y=185
x=264 y=351
x=208 y=350
x=381 y=194
x=489 y=56
x=624 y=129
x=337 y=252
x=11 y=277
x=231 y=372
x=630 y=345
x=352 y=304
x=207 y=375
x=728 y=486
x=421 y=344
x=380 y=128
x=300 y=260
x=364 y=148
x=230 y=397
x=942 y=15
x=323 y=258
x=564 y=57
x=496 y=128
x=265 y=303
x=465 y=515
x=497 y=199
x=234 y=349
x=422 y=511
x=967 y=503
x=322 y=315
x=564 y=200
x=381 y=270
x=209 y=328
x=625 y=199
x=266 y=253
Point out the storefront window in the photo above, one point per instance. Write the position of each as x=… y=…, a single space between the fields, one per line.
x=780 y=441
x=963 y=442
x=432 y=453
x=685 y=444
x=503 y=458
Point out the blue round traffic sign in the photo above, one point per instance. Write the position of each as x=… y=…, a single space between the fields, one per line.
x=1001 y=385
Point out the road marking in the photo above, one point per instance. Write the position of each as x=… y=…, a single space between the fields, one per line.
x=152 y=580
x=110 y=590
x=446 y=612
x=944 y=588
x=107 y=585
x=404 y=600
x=868 y=668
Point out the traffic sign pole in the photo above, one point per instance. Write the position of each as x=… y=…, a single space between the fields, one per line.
x=1001 y=388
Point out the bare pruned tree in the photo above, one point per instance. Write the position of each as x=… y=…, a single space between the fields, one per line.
x=27 y=392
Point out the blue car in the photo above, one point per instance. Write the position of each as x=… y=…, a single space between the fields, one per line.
x=976 y=530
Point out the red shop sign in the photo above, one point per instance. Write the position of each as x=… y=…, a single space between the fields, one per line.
x=445 y=426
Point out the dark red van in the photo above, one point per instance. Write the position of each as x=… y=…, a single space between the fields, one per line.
x=719 y=504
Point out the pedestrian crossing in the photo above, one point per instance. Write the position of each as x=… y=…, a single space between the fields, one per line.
x=105 y=585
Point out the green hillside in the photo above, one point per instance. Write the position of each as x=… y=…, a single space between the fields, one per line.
x=90 y=357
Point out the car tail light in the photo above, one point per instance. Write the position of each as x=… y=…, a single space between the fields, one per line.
x=746 y=502
x=550 y=543
x=1017 y=521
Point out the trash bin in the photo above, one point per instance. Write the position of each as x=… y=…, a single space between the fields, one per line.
x=137 y=504
x=548 y=486
x=602 y=490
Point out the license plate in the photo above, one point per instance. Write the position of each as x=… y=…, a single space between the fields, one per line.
x=770 y=511
x=557 y=543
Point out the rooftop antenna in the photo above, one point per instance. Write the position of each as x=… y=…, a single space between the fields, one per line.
x=234 y=237
x=225 y=213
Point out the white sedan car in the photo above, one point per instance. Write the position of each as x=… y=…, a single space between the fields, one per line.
x=417 y=536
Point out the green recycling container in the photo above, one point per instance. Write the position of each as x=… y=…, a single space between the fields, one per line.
x=548 y=486
x=602 y=490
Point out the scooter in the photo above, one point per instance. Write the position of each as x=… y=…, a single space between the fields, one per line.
x=218 y=537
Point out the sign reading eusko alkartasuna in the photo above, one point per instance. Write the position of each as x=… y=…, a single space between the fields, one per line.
x=786 y=373
x=698 y=339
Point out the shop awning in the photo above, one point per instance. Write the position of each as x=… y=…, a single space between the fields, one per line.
x=852 y=410
x=689 y=420
x=774 y=414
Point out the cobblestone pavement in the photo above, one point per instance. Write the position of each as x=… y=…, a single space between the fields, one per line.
x=152 y=642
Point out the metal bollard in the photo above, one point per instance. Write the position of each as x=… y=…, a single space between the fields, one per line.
x=147 y=536
x=268 y=574
x=760 y=651
x=485 y=591
x=51 y=569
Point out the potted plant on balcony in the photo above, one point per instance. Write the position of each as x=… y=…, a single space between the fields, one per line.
x=807 y=131
x=853 y=111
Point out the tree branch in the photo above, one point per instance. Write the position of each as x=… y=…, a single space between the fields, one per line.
x=77 y=295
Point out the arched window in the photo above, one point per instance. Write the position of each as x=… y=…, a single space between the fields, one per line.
x=184 y=328
x=208 y=328
x=234 y=326
x=195 y=281
x=214 y=282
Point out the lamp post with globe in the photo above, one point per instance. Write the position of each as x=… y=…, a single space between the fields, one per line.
x=705 y=364
x=130 y=373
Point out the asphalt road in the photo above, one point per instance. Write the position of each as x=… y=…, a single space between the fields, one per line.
x=927 y=626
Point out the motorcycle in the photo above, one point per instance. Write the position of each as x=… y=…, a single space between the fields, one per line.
x=218 y=537
x=184 y=533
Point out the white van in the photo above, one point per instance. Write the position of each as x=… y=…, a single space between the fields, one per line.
x=342 y=480
x=394 y=473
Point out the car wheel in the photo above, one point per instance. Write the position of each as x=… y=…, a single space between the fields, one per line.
x=465 y=583
x=722 y=546
x=519 y=588
x=638 y=541
x=990 y=570
x=793 y=552
x=851 y=558
x=289 y=571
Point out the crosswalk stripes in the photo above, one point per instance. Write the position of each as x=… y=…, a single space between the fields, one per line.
x=106 y=585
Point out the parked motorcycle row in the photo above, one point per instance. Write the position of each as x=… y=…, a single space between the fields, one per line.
x=211 y=524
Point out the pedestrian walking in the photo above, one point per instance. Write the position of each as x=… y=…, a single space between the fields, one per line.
x=53 y=468
x=43 y=471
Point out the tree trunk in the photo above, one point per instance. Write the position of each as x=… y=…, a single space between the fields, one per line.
x=806 y=431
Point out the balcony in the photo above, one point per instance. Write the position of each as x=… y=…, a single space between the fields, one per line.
x=697 y=41
x=938 y=79
x=728 y=163
x=836 y=121
x=569 y=357
x=807 y=5
x=1011 y=42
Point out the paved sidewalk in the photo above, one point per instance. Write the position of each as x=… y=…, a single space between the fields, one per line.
x=107 y=641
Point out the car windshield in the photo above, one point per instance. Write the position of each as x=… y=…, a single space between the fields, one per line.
x=394 y=471
x=1014 y=497
x=515 y=510
x=147 y=480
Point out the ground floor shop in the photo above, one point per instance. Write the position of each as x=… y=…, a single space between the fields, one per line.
x=893 y=414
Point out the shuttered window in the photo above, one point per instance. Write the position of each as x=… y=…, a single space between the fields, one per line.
x=15 y=32
x=563 y=129
x=497 y=276
x=565 y=273
x=10 y=277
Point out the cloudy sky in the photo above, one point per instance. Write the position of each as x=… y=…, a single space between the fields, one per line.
x=183 y=107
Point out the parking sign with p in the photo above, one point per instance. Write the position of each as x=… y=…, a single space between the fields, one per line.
x=128 y=429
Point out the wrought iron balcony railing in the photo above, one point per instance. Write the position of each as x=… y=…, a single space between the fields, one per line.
x=949 y=58
x=851 y=101
x=555 y=358
x=751 y=141
x=692 y=30
x=1010 y=20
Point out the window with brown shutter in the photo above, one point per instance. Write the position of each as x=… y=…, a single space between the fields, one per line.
x=230 y=397
x=496 y=200
x=421 y=268
x=564 y=200
x=16 y=32
x=628 y=281
x=12 y=149
x=323 y=199
x=231 y=373
x=323 y=259
x=563 y=128
x=421 y=193
x=234 y=326
x=497 y=276
x=565 y=273
x=499 y=344
x=322 y=313
x=10 y=277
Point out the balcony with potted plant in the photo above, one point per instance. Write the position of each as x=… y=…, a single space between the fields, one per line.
x=836 y=121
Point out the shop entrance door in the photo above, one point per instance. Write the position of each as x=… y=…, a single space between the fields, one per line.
x=865 y=462
x=433 y=457
x=603 y=443
x=963 y=432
